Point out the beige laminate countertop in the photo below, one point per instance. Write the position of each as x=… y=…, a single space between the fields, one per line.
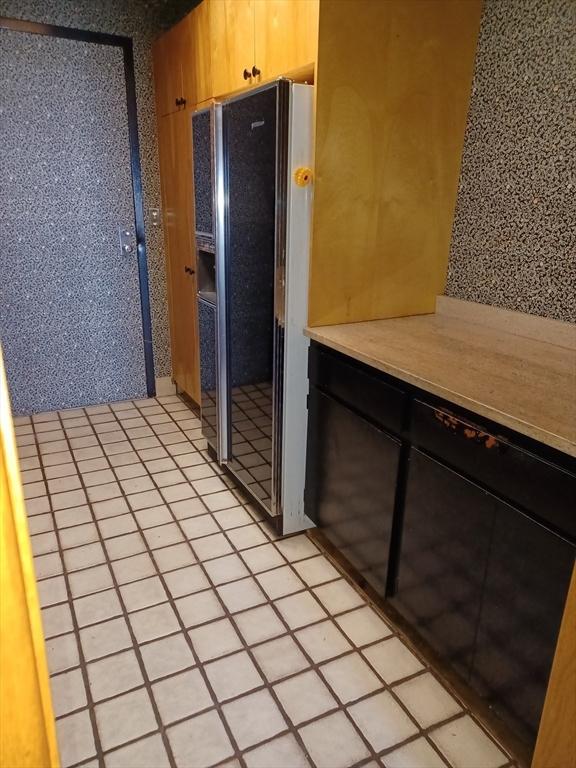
x=523 y=383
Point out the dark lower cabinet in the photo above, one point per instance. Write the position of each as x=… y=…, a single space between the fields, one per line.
x=485 y=586
x=483 y=545
x=351 y=483
x=444 y=551
x=527 y=581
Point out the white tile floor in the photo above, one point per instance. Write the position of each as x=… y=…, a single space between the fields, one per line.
x=181 y=633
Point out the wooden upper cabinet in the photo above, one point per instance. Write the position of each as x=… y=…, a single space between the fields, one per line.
x=286 y=36
x=232 y=43
x=196 y=72
x=168 y=51
x=213 y=50
x=276 y=37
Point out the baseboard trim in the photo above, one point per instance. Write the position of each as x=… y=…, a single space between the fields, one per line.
x=165 y=386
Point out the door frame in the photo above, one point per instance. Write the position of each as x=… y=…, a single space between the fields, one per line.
x=125 y=43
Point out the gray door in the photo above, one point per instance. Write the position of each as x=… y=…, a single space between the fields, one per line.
x=70 y=312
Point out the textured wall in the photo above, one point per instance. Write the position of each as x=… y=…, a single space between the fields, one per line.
x=141 y=20
x=62 y=200
x=514 y=236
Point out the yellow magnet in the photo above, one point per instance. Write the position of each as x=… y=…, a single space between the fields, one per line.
x=303 y=176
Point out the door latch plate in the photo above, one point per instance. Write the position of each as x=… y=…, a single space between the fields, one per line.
x=127 y=240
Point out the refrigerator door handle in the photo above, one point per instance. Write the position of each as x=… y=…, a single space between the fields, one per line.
x=220 y=203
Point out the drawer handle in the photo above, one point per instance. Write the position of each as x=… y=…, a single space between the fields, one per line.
x=456 y=426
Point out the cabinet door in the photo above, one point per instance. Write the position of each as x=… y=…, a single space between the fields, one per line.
x=445 y=543
x=351 y=483
x=231 y=43
x=175 y=148
x=286 y=37
x=167 y=51
x=527 y=580
x=196 y=67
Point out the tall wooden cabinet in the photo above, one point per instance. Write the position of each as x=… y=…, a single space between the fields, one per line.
x=175 y=147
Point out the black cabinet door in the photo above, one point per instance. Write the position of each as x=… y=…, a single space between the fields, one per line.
x=527 y=580
x=351 y=481
x=443 y=556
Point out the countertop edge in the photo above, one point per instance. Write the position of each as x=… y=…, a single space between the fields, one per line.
x=550 y=439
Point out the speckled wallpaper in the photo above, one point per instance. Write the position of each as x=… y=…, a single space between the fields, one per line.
x=514 y=235
x=142 y=20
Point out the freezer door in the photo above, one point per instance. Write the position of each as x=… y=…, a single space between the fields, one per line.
x=250 y=140
x=208 y=372
x=202 y=153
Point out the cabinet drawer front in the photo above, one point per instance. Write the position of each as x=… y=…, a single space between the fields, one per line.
x=363 y=389
x=351 y=485
x=539 y=487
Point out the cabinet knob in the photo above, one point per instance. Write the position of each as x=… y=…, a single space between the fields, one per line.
x=189 y=271
x=255 y=71
x=247 y=74
x=180 y=102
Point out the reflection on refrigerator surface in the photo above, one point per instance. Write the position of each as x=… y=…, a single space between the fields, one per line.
x=250 y=169
x=252 y=437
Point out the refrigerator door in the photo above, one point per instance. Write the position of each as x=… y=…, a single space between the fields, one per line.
x=202 y=152
x=254 y=212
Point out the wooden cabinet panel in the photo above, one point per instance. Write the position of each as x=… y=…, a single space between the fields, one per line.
x=196 y=72
x=27 y=727
x=392 y=97
x=231 y=43
x=556 y=745
x=286 y=35
x=175 y=148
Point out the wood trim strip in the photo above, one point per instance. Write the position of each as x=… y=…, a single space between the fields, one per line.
x=556 y=743
x=27 y=728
